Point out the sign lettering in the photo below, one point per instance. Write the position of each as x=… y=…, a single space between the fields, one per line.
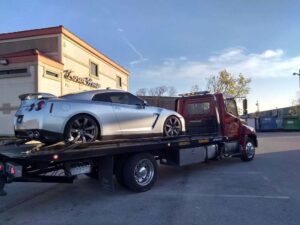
x=69 y=74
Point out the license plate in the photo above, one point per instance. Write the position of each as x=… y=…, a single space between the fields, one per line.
x=290 y=122
x=19 y=119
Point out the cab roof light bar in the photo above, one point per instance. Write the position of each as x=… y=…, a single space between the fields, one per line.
x=194 y=93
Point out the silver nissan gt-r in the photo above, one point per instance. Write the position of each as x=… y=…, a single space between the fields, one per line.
x=92 y=115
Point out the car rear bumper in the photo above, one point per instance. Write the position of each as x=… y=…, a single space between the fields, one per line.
x=39 y=135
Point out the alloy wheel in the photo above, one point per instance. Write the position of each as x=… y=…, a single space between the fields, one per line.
x=172 y=126
x=82 y=130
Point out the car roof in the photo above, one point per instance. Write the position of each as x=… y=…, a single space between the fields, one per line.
x=88 y=95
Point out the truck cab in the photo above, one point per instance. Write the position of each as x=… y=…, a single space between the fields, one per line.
x=216 y=115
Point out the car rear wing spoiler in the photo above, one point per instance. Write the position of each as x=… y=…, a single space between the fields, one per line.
x=36 y=96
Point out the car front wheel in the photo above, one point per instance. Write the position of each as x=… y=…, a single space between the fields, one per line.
x=172 y=126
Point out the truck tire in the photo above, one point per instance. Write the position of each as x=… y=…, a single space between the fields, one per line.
x=248 y=153
x=140 y=172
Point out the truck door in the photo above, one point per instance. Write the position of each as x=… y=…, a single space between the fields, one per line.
x=200 y=115
x=232 y=122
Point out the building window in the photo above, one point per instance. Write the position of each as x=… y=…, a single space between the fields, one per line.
x=94 y=69
x=119 y=81
x=13 y=73
x=51 y=74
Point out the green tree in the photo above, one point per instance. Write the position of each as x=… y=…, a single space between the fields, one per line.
x=229 y=84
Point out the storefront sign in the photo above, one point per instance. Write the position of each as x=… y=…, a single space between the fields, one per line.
x=69 y=74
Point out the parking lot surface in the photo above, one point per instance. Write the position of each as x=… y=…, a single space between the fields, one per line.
x=264 y=191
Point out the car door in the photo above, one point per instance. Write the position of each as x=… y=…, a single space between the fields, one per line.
x=104 y=110
x=133 y=115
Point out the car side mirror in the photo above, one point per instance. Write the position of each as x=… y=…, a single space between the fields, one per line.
x=142 y=105
x=145 y=103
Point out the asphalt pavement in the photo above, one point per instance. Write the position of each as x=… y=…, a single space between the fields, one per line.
x=265 y=191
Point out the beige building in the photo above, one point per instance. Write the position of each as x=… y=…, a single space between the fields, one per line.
x=51 y=60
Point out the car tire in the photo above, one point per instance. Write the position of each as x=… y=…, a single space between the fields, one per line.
x=248 y=152
x=172 y=127
x=140 y=172
x=81 y=129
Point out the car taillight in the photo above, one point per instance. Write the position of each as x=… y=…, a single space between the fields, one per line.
x=14 y=169
x=31 y=107
x=1 y=167
x=40 y=105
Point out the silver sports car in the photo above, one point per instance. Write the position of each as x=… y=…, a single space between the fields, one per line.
x=92 y=115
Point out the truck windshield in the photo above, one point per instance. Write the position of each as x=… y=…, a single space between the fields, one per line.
x=231 y=107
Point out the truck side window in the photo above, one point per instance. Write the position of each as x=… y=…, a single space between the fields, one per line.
x=231 y=107
x=198 y=108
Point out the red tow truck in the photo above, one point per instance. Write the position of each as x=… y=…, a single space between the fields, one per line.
x=214 y=131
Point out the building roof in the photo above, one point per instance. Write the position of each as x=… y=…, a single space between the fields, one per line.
x=67 y=33
x=31 y=55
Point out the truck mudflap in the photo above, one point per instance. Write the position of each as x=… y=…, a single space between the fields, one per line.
x=2 y=185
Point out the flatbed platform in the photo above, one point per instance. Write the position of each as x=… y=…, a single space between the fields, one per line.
x=42 y=153
x=104 y=160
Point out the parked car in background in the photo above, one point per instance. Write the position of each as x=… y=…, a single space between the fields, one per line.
x=91 y=115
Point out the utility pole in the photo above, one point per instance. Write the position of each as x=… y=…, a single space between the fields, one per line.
x=297 y=74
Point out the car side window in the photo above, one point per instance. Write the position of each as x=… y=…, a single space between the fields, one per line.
x=133 y=100
x=120 y=98
x=103 y=97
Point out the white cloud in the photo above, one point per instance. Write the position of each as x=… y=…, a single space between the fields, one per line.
x=269 y=63
x=272 y=53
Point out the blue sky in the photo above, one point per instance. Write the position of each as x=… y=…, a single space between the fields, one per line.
x=181 y=43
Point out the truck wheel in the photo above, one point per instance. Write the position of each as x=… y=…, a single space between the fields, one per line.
x=140 y=172
x=249 y=152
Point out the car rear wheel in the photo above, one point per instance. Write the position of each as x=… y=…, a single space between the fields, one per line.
x=81 y=129
x=172 y=126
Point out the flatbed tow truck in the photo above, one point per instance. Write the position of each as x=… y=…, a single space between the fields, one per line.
x=133 y=162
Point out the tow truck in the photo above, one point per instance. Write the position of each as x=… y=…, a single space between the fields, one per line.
x=214 y=131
